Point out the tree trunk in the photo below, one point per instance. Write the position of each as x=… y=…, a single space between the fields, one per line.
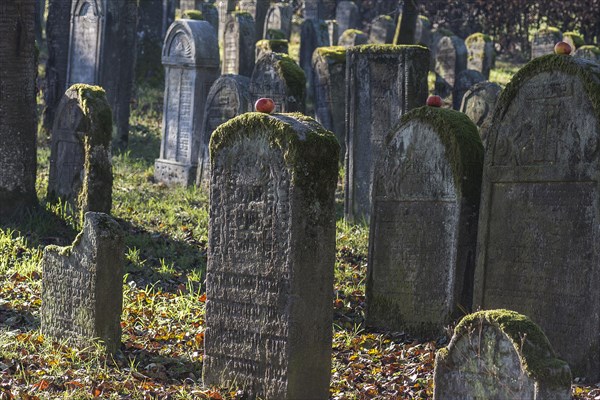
x=405 y=31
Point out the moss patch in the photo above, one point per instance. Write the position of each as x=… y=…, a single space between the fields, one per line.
x=350 y=32
x=576 y=38
x=275 y=34
x=477 y=37
x=276 y=46
x=424 y=19
x=593 y=49
x=242 y=14
x=192 y=14
x=293 y=75
x=334 y=53
x=549 y=30
x=384 y=48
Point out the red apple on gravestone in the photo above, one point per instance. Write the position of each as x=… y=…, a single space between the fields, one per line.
x=562 y=48
x=434 y=101
x=264 y=105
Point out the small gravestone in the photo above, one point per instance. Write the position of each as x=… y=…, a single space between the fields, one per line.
x=267 y=46
x=382 y=30
x=538 y=248
x=239 y=38
x=423 y=227
x=279 y=17
x=383 y=83
x=258 y=11
x=278 y=77
x=544 y=41
x=329 y=68
x=464 y=81
x=479 y=102
x=271 y=256
x=353 y=37
x=481 y=52
x=82 y=285
x=191 y=60
x=314 y=34
x=80 y=150
x=500 y=354
x=229 y=97
x=347 y=16
x=450 y=61
x=591 y=53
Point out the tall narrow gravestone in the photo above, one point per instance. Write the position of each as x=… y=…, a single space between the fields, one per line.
x=314 y=34
x=426 y=192
x=383 y=82
x=229 y=97
x=500 y=354
x=191 y=60
x=258 y=10
x=481 y=52
x=279 y=17
x=82 y=285
x=271 y=256
x=347 y=16
x=538 y=250
x=239 y=38
x=224 y=8
x=80 y=156
x=544 y=40
x=450 y=60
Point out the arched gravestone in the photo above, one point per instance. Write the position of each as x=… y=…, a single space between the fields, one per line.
x=347 y=16
x=239 y=39
x=191 y=60
x=277 y=76
x=80 y=156
x=538 y=236
x=498 y=355
x=279 y=17
x=450 y=60
x=383 y=82
x=589 y=53
x=544 y=40
x=353 y=37
x=479 y=102
x=229 y=97
x=482 y=53
x=271 y=255
x=464 y=81
x=382 y=30
x=423 y=227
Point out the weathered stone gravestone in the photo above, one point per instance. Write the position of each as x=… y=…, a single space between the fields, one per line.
x=103 y=34
x=544 y=40
x=239 y=38
x=382 y=30
x=82 y=285
x=450 y=61
x=271 y=256
x=479 y=102
x=347 y=16
x=277 y=76
x=258 y=10
x=267 y=46
x=80 y=150
x=383 y=83
x=353 y=37
x=279 y=17
x=224 y=7
x=464 y=81
x=591 y=53
x=332 y=31
x=538 y=248
x=229 y=97
x=423 y=227
x=314 y=34
x=191 y=60
x=482 y=53
x=498 y=355
x=329 y=68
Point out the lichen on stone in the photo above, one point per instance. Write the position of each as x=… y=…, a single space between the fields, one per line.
x=576 y=38
x=293 y=75
x=335 y=53
x=196 y=15
x=476 y=37
x=383 y=48
x=591 y=48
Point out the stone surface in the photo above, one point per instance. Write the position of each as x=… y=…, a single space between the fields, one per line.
x=279 y=17
x=383 y=83
x=258 y=10
x=591 y=53
x=499 y=355
x=333 y=32
x=423 y=227
x=538 y=241
x=224 y=7
x=481 y=53
x=267 y=46
x=229 y=97
x=314 y=33
x=191 y=60
x=382 y=30
x=314 y=9
x=277 y=76
x=543 y=42
x=271 y=256
x=450 y=61
x=239 y=39
x=347 y=16
x=479 y=101
x=464 y=81
x=353 y=37
x=82 y=285
x=80 y=150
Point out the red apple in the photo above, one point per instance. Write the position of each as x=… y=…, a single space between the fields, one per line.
x=562 y=48
x=264 y=105
x=434 y=101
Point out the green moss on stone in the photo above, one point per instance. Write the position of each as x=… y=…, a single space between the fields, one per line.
x=549 y=29
x=384 y=48
x=293 y=75
x=576 y=38
x=424 y=19
x=274 y=45
x=192 y=14
x=245 y=14
x=462 y=142
x=335 y=53
x=532 y=345
x=349 y=32
x=275 y=34
x=476 y=37
x=444 y=32
x=386 y=18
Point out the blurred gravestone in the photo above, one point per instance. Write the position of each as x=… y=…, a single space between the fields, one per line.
x=266 y=46
x=591 y=53
x=479 y=102
x=353 y=37
x=347 y=16
x=382 y=30
x=239 y=39
x=258 y=11
x=481 y=52
x=450 y=61
x=279 y=17
x=574 y=39
x=544 y=40
x=271 y=257
x=332 y=32
x=464 y=81
x=313 y=9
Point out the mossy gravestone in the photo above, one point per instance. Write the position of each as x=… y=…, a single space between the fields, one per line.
x=498 y=355
x=383 y=83
x=353 y=37
x=278 y=77
x=82 y=285
x=80 y=150
x=229 y=97
x=191 y=60
x=271 y=255
x=544 y=41
x=267 y=46
x=482 y=53
x=538 y=236
x=424 y=222
x=382 y=30
x=450 y=61
x=479 y=102
x=239 y=38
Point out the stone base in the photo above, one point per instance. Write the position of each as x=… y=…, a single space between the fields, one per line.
x=174 y=173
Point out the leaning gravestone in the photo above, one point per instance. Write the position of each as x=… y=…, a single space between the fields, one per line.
x=450 y=60
x=80 y=150
x=258 y=11
x=329 y=68
x=538 y=250
x=271 y=256
x=191 y=60
x=267 y=46
x=481 y=52
x=229 y=97
x=591 y=53
x=544 y=40
x=383 y=83
x=479 y=102
x=277 y=76
x=347 y=16
x=82 y=285
x=279 y=17
x=382 y=30
x=423 y=229
x=500 y=354
x=464 y=81
x=353 y=37
x=239 y=39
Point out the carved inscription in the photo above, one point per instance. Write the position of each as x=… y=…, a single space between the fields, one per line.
x=232 y=49
x=178 y=127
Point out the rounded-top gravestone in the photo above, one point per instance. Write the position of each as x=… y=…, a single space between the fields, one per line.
x=450 y=61
x=482 y=54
